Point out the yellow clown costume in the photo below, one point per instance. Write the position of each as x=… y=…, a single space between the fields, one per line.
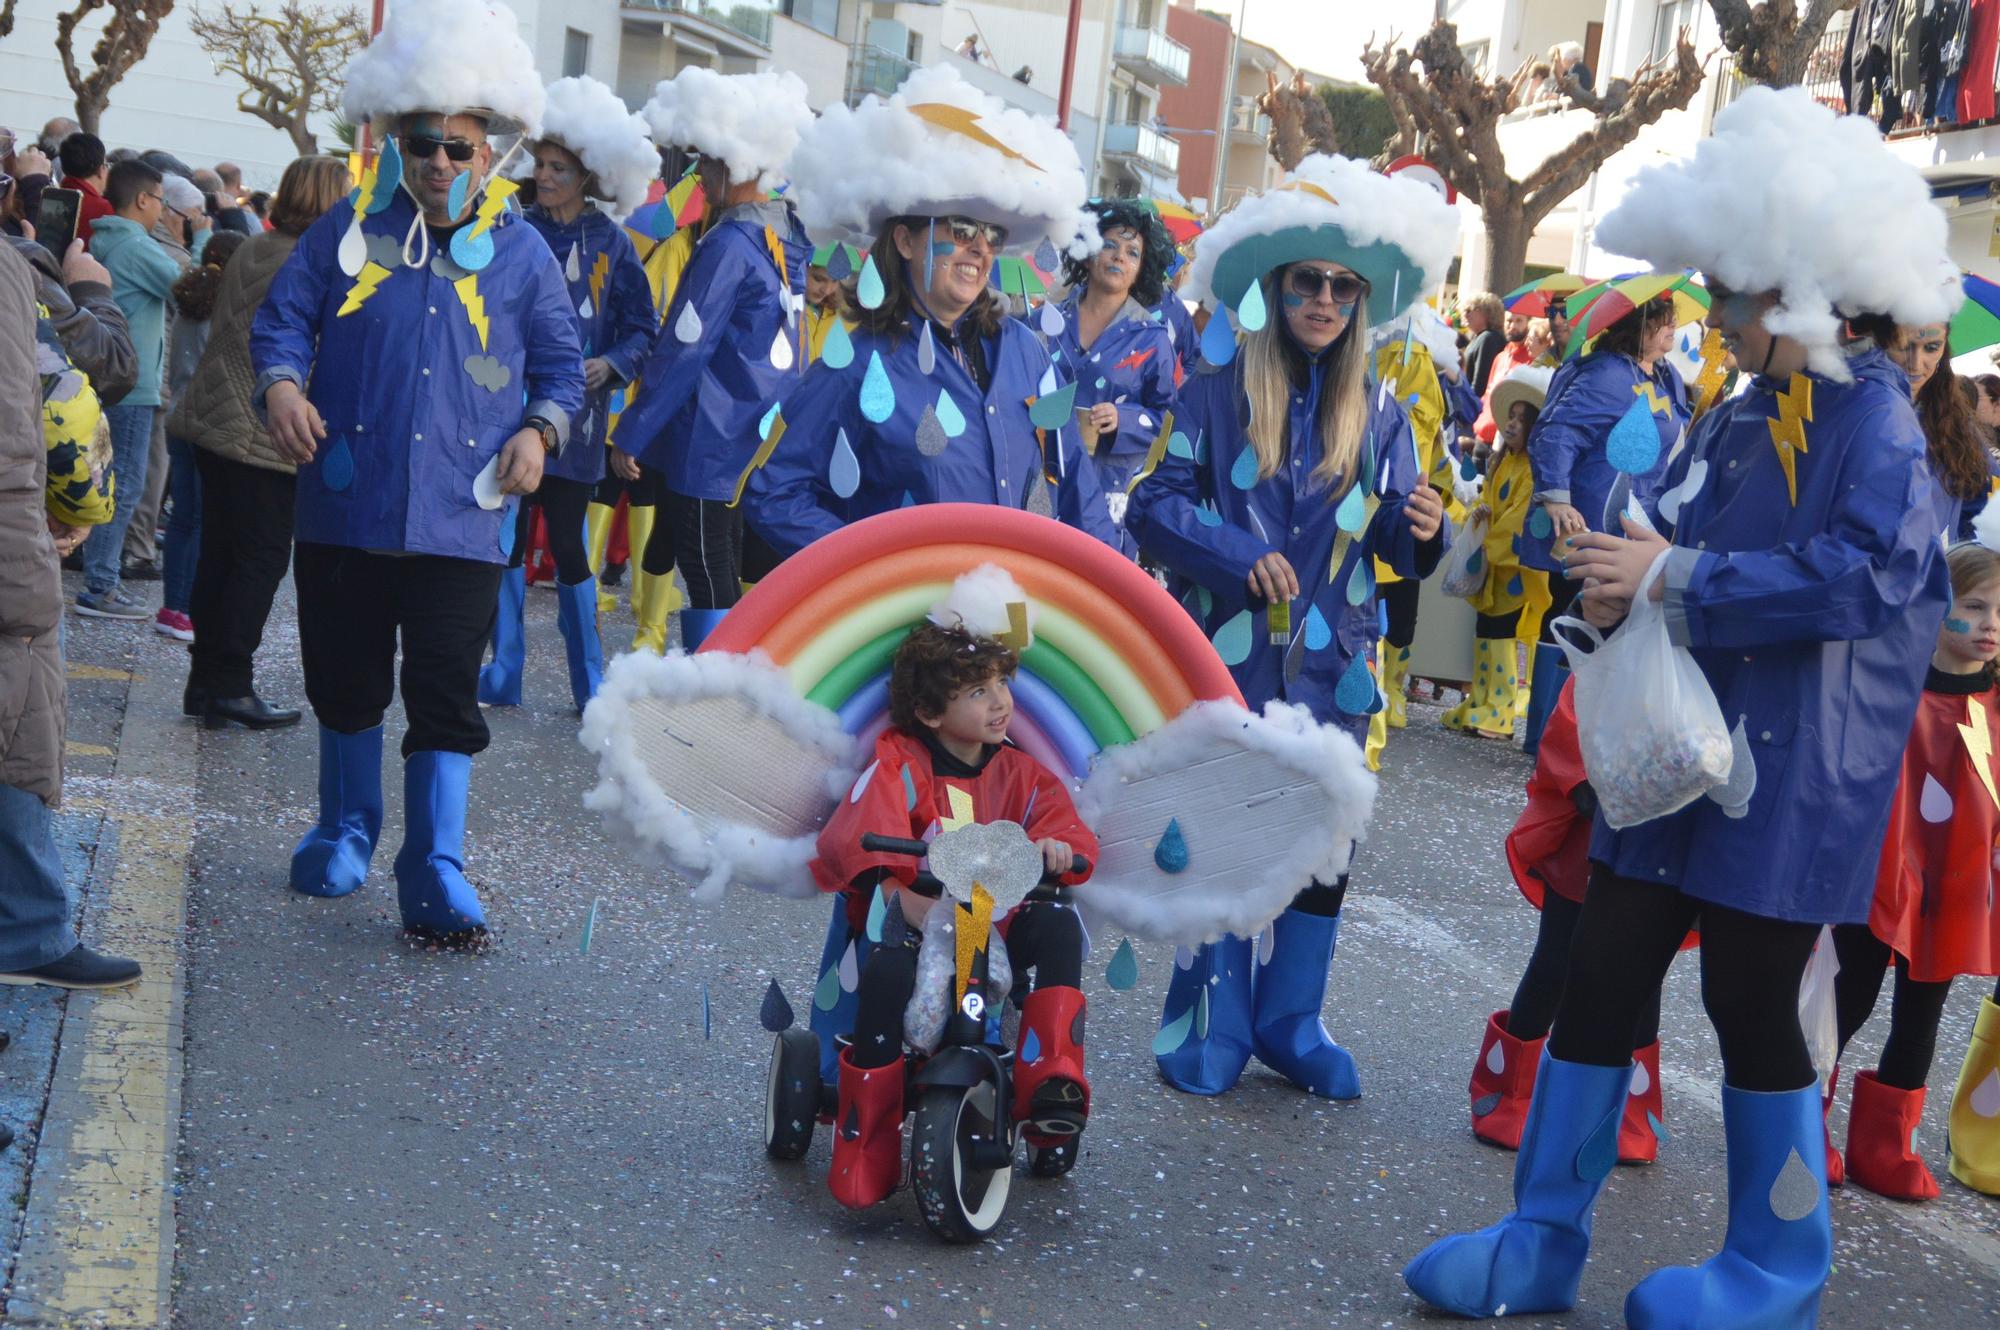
x=1975 y=1106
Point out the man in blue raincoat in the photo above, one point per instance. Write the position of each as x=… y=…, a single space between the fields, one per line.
x=418 y=393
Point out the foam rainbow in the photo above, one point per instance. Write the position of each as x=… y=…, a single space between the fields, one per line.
x=1114 y=655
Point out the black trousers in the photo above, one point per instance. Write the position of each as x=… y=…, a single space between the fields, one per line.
x=1401 y=599
x=705 y=538
x=246 y=543
x=1562 y=593
x=355 y=606
x=562 y=503
x=1493 y=626
x=1751 y=966
x=1915 y=1008
x=1535 y=997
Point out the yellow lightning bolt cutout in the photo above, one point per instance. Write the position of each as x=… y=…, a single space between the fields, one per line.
x=1788 y=431
x=1016 y=636
x=1979 y=743
x=1714 y=372
x=1155 y=453
x=1654 y=402
x=475 y=304
x=598 y=272
x=973 y=923
x=491 y=204
x=366 y=195
x=958 y=120
x=961 y=810
x=366 y=282
x=762 y=455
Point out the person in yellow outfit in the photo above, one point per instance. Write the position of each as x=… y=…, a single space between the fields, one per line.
x=1503 y=604
x=825 y=293
x=1974 y=1122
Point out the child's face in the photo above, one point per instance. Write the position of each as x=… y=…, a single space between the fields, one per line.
x=1520 y=417
x=1971 y=631
x=820 y=287
x=979 y=714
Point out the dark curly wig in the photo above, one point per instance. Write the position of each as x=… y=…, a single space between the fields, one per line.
x=1150 y=286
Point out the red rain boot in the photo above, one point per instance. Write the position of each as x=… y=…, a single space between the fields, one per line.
x=1638 y=1141
x=1881 y=1141
x=1051 y=1093
x=1503 y=1081
x=1836 y=1167
x=868 y=1136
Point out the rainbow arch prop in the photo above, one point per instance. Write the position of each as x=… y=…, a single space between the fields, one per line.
x=1114 y=656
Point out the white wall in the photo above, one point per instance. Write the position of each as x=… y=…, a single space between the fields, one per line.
x=1031 y=32
x=543 y=22
x=815 y=57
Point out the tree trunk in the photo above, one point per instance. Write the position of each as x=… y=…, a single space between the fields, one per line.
x=303 y=138
x=1507 y=233
x=88 y=112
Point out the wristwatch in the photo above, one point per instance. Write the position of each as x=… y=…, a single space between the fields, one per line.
x=551 y=439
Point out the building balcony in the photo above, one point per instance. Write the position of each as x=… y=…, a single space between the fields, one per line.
x=741 y=29
x=1247 y=124
x=870 y=69
x=1150 y=56
x=1144 y=145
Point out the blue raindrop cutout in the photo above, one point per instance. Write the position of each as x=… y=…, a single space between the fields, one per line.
x=1122 y=975
x=868 y=287
x=1201 y=1015
x=1381 y=618
x=909 y=791
x=1232 y=640
x=1173 y=1034
x=1206 y=515
x=707 y=1015
x=1218 y=340
x=843 y=473
x=1352 y=514
x=1171 y=854
x=1243 y=471
x=1539 y=525
x=1361 y=582
x=336 y=469
x=878 y=909
x=1634 y=445
x=775 y=1014
x=1250 y=311
x=840 y=263
x=471 y=252
x=1178 y=445
x=1051 y=410
x=1046 y=257
x=838 y=350
x=1505 y=486
x=827 y=992
x=1356 y=693
x=1468 y=469
x=454 y=201
x=388 y=175
x=1476 y=562
x=1031 y=1048
x=507 y=529
x=1051 y=319
x=1514 y=587
x=878 y=395
x=1318 y=631
x=949 y=415
x=770 y=419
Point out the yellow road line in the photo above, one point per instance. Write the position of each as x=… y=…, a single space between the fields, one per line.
x=81 y=671
x=75 y=749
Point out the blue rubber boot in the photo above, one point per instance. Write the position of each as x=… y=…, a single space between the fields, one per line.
x=1204 y=1039
x=576 y=616
x=1545 y=683
x=834 y=1002
x=436 y=899
x=1773 y=1264
x=1532 y=1260
x=500 y=680
x=332 y=858
x=696 y=625
x=1288 y=1035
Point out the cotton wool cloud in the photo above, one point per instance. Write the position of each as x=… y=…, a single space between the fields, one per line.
x=588 y=118
x=1787 y=196
x=749 y=122
x=445 y=55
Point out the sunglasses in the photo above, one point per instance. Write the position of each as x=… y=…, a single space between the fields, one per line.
x=1344 y=287
x=965 y=230
x=422 y=147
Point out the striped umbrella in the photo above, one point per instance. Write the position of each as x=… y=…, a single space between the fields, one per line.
x=1976 y=326
x=1532 y=298
x=1622 y=295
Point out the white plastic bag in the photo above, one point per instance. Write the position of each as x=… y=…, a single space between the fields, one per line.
x=1465 y=561
x=1652 y=734
x=1817 y=1015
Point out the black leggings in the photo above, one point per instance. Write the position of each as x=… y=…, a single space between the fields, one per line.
x=1321 y=898
x=1562 y=592
x=1496 y=625
x=1625 y=939
x=1401 y=599
x=1044 y=937
x=562 y=503
x=1915 y=1008
x=1541 y=986
x=705 y=538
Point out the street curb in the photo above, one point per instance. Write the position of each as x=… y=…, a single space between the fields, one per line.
x=97 y=1245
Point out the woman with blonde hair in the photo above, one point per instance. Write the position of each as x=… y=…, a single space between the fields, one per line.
x=1485 y=319
x=1287 y=476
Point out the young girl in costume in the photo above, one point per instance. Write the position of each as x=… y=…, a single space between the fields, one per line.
x=945 y=758
x=1933 y=916
x=1806 y=579
x=1290 y=473
x=1966 y=468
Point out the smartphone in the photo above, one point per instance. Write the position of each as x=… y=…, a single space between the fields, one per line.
x=56 y=226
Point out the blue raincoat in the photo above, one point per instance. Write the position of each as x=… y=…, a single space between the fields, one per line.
x=614 y=309
x=1971 y=508
x=732 y=343
x=1814 y=621
x=421 y=383
x=1132 y=365
x=870 y=431
x=1174 y=317
x=1206 y=515
x=1569 y=446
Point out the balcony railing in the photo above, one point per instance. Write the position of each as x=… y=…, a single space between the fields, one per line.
x=872 y=69
x=1151 y=54
x=1246 y=119
x=1822 y=74
x=745 y=18
x=1142 y=143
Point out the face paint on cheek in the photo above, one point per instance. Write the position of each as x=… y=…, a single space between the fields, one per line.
x=1293 y=301
x=1959 y=626
x=1345 y=311
x=942 y=249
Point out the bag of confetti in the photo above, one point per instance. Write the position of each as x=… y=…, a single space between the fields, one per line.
x=1465 y=561
x=1652 y=734
x=1817 y=1016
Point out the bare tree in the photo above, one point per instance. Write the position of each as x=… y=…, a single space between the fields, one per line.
x=128 y=30
x=1301 y=121
x=1449 y=113
x=289 y=60
x=6 y=16
x=1772 y=41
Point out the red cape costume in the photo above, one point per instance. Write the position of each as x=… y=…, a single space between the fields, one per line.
x=1550 y=842
x=1934 y=883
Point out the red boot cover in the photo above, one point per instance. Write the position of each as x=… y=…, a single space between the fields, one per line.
x=1836 y=1167
x=1638 y=1142
x=1503 y=1081
x=1050 y=1048
x=540 y=564
x=619 y=548
x=868 y=1134
x=1881 y=1141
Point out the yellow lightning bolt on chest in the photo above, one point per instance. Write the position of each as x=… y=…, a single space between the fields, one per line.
x=961 y=809
x=1979 y=745
x=1788 y=430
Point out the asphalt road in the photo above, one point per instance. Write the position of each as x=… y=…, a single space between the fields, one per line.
x=375 y=1135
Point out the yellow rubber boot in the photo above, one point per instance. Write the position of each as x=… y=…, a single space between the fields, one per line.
x=1525 y=656
x=1395 y=683
x=597 y=519
x=651 y=596
x=1378 y=724
x=1488 y=706
x=1974 y=1121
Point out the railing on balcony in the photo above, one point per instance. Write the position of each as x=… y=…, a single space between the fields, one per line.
x=1822 y=74
x=1245 y=118
x=745 y=17
x=872 y=69
x=1150 y=53
x=1143 y=143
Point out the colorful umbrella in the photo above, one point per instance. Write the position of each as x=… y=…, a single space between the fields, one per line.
x=849 y=263
x=669 y=209
x=1532 y=298
x=1181 y=223
x=1621 y=296
x=1018 y=277
x=1976 y=326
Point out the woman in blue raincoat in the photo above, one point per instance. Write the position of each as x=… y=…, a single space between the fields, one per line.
x=614 y=311
x=1300 y=473
x=1108 y=338
x=1801 y=565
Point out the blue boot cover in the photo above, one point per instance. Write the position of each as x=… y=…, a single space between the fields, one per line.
x=500 y=679
x=1545 y=683
x=1532 y=1260
x=834 y=1003
x=576 y=616
x=1291 y=984
x=1204 y=1039
x=696 y=625
x=1773 y=1264
x=430 y=868
x=332 y=858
